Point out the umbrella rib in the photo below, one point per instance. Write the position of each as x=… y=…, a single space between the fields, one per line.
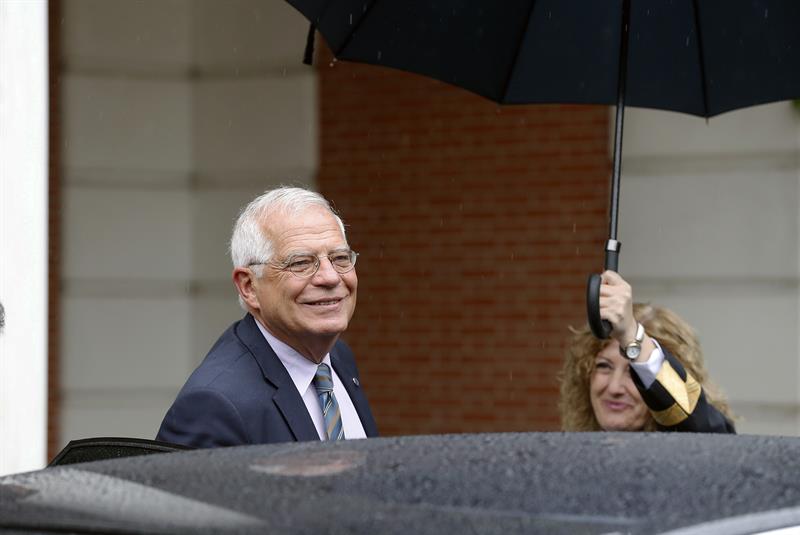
x=504 y=94
x=355 y=28
x=701 y=58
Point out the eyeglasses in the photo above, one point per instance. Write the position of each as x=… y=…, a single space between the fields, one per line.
x=306 y=265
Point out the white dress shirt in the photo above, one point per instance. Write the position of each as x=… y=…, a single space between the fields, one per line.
x=302 y=372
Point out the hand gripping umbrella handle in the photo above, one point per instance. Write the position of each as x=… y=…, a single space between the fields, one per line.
x=600 y=328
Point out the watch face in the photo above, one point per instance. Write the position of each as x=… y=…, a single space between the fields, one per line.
x=633 y=352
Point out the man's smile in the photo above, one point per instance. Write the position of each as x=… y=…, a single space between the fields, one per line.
x=327 y=301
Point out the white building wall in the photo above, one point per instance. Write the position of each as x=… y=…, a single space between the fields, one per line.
x=23 y=234
x=175 y=113
x=709 y=226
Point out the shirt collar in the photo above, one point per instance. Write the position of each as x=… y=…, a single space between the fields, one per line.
x=301 y=370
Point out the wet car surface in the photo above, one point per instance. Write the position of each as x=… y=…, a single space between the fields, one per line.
x=473 y=483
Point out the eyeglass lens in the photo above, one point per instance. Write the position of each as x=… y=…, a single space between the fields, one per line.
x=305 y=265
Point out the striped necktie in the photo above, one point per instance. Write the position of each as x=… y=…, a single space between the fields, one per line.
x=323 y=382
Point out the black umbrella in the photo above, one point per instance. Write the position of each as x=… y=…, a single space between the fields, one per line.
x=701 y=57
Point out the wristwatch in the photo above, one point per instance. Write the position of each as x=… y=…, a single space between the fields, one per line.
x=634 y=349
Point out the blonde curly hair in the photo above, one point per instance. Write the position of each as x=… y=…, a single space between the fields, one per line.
x=672 y=333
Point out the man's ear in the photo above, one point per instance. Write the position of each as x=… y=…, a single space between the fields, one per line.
x=243 y=279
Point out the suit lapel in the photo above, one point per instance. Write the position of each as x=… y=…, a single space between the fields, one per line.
x=286 y=397
x=346 y=373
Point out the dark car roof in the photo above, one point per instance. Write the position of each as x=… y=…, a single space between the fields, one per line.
x=478 y=483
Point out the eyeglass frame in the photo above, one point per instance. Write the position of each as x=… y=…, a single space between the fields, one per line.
x=284 y=266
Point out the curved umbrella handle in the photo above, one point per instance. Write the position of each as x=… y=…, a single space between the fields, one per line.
x=600 y=328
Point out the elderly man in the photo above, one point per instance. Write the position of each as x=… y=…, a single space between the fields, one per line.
x=281 y=373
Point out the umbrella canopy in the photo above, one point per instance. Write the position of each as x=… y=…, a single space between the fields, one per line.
x=701 y=57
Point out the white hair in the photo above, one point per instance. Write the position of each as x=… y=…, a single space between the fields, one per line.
x=250 y=244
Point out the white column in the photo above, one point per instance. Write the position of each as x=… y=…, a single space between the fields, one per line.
x=23 y=234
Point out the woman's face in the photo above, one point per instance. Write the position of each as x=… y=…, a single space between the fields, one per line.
x=616 y=403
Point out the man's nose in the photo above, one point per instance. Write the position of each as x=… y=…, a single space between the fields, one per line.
x=326 y=275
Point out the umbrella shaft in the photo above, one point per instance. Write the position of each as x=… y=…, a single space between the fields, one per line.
x=619 y=121
x=616 y=170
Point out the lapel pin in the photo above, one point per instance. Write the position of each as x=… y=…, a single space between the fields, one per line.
x=355 y=381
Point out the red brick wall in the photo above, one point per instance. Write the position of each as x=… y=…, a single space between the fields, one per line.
x=477 y=227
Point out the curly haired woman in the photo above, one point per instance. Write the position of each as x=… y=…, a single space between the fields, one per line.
x=648 y=377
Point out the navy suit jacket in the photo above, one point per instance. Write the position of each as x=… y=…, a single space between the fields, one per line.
x=242 y=394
